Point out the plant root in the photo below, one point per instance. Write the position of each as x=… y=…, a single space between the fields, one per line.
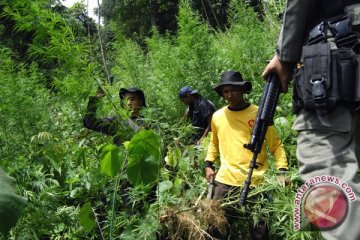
x=196 y=222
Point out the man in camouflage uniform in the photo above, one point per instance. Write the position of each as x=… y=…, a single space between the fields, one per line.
x=331 y=148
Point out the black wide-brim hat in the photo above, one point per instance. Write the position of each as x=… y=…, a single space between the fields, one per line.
x=232 y=78
x=137 y=91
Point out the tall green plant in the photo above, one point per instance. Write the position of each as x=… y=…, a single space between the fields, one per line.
x=52 y=37
x=24 y=104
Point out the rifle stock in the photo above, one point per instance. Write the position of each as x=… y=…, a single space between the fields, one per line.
x=264 y=118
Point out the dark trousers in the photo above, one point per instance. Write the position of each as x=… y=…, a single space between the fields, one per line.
x=260 y=231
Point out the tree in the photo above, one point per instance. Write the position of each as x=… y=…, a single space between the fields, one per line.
x=135 y=18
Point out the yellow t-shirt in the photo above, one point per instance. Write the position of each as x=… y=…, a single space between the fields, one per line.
x=230 y=131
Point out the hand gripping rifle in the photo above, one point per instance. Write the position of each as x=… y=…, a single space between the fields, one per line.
x=264 y=118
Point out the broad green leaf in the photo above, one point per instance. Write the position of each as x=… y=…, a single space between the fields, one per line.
x=165 y=185
x=173 y=156
x=111 y=160
x=143 y=158
x=11 y=205
x=87 y=217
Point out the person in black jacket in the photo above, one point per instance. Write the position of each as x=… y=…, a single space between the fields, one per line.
x=199 y=111
x=132 y=99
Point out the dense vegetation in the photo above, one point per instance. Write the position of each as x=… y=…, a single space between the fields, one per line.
x=51 y=62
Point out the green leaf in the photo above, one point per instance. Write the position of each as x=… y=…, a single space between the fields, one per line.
x=87 y=217
x=111 y=160
x=177 y=186
x=165 y=185
x=11 y=205
x=143 y=158
x=128 y=233
x=173 y=156
x=126 y=144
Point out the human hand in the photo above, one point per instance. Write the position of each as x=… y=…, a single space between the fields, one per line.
x=283 y=180
x=209 y=174
x=277 y=67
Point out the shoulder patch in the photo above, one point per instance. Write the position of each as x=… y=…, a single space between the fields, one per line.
x=251 y=122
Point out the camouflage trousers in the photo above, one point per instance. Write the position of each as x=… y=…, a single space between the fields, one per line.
x=332 y=151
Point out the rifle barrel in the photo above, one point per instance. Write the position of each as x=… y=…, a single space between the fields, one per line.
x=247 y=184
x=264 y=118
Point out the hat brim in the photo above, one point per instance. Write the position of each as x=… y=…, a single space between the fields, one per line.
x=194 y=92
x=137 y=91
x=245 y=84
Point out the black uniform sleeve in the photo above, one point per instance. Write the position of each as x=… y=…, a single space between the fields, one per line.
x=103 y=125
x=297 y=17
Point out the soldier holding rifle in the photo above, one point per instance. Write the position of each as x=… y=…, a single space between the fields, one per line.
x=319 y=44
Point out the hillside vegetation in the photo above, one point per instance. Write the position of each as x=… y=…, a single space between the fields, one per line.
x=52 y=62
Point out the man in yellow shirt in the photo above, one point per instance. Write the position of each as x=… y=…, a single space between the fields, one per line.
x=231 y=129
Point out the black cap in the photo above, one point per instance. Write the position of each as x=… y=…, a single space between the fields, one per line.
x=186 y=91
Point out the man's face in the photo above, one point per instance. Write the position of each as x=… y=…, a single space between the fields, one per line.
x=132 y=101
x=233 y=95
x=188 y=99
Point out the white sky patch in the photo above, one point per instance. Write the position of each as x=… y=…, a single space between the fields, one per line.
x=92 y=4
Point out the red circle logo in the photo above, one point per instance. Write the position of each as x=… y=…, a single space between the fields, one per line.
x=325 y=206
x=251 y=122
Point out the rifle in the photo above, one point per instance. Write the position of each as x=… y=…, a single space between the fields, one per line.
x=264 y=118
